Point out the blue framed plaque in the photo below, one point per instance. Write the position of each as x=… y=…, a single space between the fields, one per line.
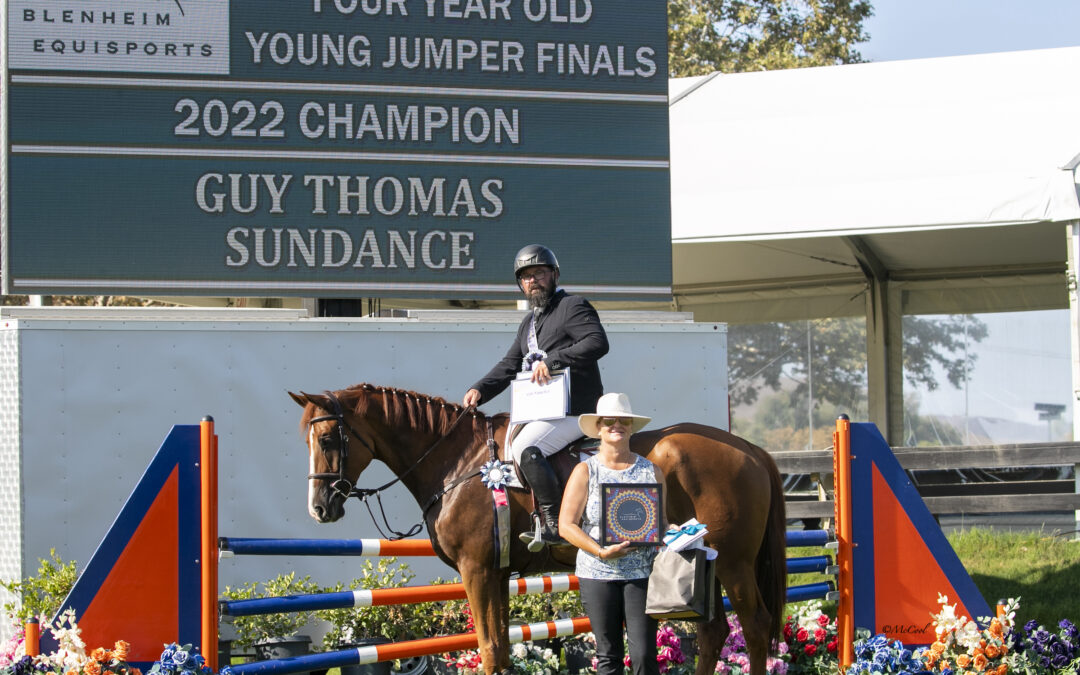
x=631 y=512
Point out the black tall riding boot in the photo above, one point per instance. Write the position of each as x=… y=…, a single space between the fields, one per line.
x=545 y=486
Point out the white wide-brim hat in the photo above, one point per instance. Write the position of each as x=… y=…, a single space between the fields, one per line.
x=611 y=405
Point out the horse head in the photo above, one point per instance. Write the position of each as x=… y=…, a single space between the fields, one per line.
x=337 y=454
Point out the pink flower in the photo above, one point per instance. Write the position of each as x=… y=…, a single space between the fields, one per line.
x=819 y=635
x=823 y=620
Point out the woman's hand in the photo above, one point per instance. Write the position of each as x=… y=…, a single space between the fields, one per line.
x=613 y=551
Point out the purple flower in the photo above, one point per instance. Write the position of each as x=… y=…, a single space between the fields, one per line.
x=1060 y=661
x=1031 y=625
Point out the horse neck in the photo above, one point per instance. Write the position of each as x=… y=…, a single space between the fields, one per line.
x=405 y=451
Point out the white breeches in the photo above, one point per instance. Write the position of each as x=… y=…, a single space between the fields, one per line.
x=548 y=435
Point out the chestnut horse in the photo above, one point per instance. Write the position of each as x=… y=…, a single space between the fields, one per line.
x=722 y=480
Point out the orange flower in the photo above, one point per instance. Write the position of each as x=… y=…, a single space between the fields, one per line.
x=92 y=668
x=100 y=654
x=944 y=664
x=1002 y=670
x=72 y=672
x=992 y=651
x=938 y=647
x=996 y=628
x=963 y=660
x=120 y=650
x=982 y=643
x=980 y=662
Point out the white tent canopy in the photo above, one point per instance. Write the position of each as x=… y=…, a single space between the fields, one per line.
x=882 y=189
x=892 y=154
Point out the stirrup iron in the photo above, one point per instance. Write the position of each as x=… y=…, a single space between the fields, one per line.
x=534 y=540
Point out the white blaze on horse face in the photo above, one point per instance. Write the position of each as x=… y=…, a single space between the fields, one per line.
x=311 y=441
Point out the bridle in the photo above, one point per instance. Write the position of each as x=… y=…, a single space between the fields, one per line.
x=341 y=486
x=345 y=488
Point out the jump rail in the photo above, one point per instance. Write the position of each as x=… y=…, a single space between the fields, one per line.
x=233 y=546
x=406 y=649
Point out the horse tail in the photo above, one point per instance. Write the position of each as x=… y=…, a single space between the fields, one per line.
x=771 y=565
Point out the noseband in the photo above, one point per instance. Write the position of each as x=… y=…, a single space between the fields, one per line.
x=341 y=486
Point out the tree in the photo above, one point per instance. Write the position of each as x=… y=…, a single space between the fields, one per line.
x=744 y=35
x=772 y=354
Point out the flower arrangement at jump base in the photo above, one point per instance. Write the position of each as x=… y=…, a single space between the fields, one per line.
x=669 y=654
x=70 y=657
x=735 y=661
x=525 y=657
x=991 y=646
x=181 y=660
x=811 y=640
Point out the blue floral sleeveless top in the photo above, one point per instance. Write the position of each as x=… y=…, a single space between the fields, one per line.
x=638 y=562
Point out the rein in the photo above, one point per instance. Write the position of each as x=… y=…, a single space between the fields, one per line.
x=345 y=488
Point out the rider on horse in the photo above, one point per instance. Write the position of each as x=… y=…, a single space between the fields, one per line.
x=562 y=331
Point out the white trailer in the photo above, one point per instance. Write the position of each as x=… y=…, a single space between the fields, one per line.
x=89 y=394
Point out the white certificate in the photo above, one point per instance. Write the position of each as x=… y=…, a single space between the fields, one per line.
x=530 y=401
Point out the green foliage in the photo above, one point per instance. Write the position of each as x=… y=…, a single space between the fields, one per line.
x=769 y=355
x=42 y=594
x=545 y=607
x=942 y=342
x=251 y=630
x=733 y=36
x=396 y=622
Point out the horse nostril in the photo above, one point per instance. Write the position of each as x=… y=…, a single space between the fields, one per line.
x=320 y=512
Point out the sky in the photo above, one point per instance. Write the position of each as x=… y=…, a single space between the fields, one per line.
x=915 y=29
x=1026 y=357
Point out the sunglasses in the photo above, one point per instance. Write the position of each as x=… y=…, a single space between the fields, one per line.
x=609 y=421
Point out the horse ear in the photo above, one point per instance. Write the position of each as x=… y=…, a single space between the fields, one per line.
x=301 y=400
x=318 y=400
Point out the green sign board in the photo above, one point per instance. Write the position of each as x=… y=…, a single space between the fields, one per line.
x=334 y=148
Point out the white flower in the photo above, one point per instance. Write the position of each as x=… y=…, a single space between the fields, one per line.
x=519 y=650
x=547 y=654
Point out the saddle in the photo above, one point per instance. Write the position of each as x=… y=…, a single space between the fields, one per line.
x=562 y=464
x=563 y=461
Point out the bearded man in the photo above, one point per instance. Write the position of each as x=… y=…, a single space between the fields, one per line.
x=562 y=332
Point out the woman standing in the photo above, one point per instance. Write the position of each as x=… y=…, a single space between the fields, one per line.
x=613 y=579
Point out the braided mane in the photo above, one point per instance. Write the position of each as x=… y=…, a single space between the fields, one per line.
x=401 y=407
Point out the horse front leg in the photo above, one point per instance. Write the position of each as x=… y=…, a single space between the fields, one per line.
x=489 y=598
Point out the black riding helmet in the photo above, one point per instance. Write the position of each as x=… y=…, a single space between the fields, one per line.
x=533 y=255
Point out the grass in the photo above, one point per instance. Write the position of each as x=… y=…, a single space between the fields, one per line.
x=1042 y=569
